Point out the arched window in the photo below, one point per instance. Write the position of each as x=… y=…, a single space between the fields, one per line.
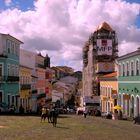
x=127 y=69
x=123 y=70
x=137 y=67
x=132 y=68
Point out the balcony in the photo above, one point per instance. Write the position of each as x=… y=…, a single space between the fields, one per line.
x=12 y=78
x=2 y=79
x=3 y=55
x=25 y=86
x=41 y=95
x=41 y=66
x=34 y=91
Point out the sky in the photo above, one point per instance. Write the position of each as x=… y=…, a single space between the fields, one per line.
x=60 y=28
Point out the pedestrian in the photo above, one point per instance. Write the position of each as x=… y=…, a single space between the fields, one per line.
x=54 y=117
x=21 y=109
x=43 y=113
x=48 y=115
x=85 y=113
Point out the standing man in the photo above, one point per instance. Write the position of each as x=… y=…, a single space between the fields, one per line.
x=54 y=116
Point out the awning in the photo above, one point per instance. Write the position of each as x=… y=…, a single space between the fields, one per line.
x=117 y=107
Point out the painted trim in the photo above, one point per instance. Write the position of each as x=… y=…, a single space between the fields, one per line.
x=129 y=82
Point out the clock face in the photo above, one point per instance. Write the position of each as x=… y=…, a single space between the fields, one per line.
x=106 y=66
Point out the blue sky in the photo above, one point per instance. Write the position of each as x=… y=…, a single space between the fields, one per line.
x=26 y=4
x=61 y=27
x=20 y=4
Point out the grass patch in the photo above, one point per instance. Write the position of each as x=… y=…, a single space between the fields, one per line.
x=69 y=127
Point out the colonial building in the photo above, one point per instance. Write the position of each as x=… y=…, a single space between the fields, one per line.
x=99 y=54
x=108 y=92
x=25 y=87
x=129 y=83
x=27 y=59
x=9 y=69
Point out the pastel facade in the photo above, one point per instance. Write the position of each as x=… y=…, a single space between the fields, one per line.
x=25 y=87
x=9 y=69
x=109 y=92
x=129 y=83
x=28 y=59
x=41 y=80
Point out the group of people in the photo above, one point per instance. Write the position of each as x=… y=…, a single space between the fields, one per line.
x=50 y=114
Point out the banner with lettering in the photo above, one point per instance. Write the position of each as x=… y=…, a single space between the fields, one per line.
x=104 y=47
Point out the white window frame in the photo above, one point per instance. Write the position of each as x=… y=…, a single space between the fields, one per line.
x=127 y=68
x=132 y=61
x=8 y=70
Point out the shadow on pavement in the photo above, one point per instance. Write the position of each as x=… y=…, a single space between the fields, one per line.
x=62 y=127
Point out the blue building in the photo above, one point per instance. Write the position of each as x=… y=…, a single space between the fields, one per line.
x=9 y=69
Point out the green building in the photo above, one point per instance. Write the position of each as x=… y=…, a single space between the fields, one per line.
x=9 y=69
x=129 y=83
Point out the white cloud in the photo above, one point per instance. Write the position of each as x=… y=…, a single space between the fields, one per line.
x=61 y=27
x=8 y=2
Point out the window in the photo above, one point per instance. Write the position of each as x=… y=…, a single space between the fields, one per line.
x=132 y=68
x=16 y=100
x=12 y=48
x=123 y=70
x=137 y=67
x=1 y=70
x=120 y=70
x=8 y=43
x=0 y=96
x=127 y=69
x=8 y=69
x=17 y=49
x=12 y=71
x=13 y=100
x=17 y=74
x=8 y=98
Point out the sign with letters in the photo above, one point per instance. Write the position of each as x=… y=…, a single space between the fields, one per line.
x=104 y=47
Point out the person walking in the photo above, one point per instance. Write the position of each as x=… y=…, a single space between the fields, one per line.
x=54 y=117
x=48 y=115
x=85 y=113
x=43 y=114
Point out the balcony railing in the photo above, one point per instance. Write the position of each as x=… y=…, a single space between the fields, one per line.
x=12 y=78
x=3 y=55
x=34 y=91
x=25 y=86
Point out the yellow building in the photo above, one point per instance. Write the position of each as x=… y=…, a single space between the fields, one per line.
x=108 y=92
x=25 y=87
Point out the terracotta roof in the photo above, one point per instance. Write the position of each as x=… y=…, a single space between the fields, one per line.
x=105 y=26
x=113 y=74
